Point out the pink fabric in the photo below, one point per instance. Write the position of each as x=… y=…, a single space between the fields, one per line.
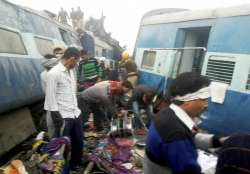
x=124 y=142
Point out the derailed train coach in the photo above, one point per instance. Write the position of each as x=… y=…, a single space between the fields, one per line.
x=212 y=42
x=26 y=35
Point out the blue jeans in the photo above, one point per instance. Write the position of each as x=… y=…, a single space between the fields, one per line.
x=138 y=119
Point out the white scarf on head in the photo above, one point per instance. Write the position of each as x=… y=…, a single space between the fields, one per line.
x=202 y=93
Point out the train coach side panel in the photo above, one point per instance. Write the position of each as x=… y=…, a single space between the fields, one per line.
x=19 y=82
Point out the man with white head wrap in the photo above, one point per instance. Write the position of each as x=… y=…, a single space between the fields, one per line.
x=171 y=142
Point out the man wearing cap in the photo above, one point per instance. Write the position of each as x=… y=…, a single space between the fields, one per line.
x=128 y=69
x=171 y=142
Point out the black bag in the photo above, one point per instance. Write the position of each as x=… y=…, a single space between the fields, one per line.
x=234 y=156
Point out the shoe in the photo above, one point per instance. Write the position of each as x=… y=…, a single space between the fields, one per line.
x=76 y=169
x=88 y=126
x=97 y=130
x=100 y=133
x=90 y=134
x=141 y=131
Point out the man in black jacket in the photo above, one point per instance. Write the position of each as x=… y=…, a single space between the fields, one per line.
x=142 y=99
x=171 y=141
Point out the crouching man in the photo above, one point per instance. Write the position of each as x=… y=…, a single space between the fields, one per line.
x=102 y=98
x=142 y=99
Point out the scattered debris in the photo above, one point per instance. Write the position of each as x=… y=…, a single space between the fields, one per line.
x=114 y=152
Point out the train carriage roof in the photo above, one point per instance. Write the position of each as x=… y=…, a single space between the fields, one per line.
x=42 y=14
x=190 y=15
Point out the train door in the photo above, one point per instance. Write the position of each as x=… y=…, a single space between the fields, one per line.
x=188 y=59
x=194 y=49
x=159 y=66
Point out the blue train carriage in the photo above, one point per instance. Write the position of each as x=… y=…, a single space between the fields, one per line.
x=215 y=43
x=26 y=35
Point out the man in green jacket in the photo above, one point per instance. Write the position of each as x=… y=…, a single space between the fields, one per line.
x=88 y=71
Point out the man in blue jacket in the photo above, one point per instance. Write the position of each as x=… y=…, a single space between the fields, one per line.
x=170 y=145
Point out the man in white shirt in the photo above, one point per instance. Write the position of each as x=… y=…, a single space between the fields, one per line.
x=48 y=64
x=61 y=101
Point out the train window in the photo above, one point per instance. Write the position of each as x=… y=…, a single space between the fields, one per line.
x=248 y=82
x=44 y=46
x=65 y=36
x=12 y=44
x=148 y=60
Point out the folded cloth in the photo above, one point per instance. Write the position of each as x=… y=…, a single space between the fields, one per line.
x=15 y=167
x=124 y=142
x=55 y=144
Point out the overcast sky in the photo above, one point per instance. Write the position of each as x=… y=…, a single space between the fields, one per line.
x=123 y=16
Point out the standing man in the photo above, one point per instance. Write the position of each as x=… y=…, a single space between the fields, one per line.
x=128 y=68
x=73 y=18
x=48 y=64
x=171 y=142
x=61 y=101
x=88 y=71
x=63 y=16
x=79 y=18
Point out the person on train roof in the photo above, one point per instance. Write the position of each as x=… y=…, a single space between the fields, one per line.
x=172 y=137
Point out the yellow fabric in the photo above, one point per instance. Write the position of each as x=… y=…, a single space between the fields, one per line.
x=36 y=145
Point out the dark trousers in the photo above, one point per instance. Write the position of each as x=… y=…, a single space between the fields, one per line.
x=98 y=119
x=73 y=129
x=138 y=119
x=88 y=107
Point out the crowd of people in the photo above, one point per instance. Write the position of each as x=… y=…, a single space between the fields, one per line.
x=75 y=87
x=76 y=17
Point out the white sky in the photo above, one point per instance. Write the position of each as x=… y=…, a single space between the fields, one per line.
x=123 y=16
